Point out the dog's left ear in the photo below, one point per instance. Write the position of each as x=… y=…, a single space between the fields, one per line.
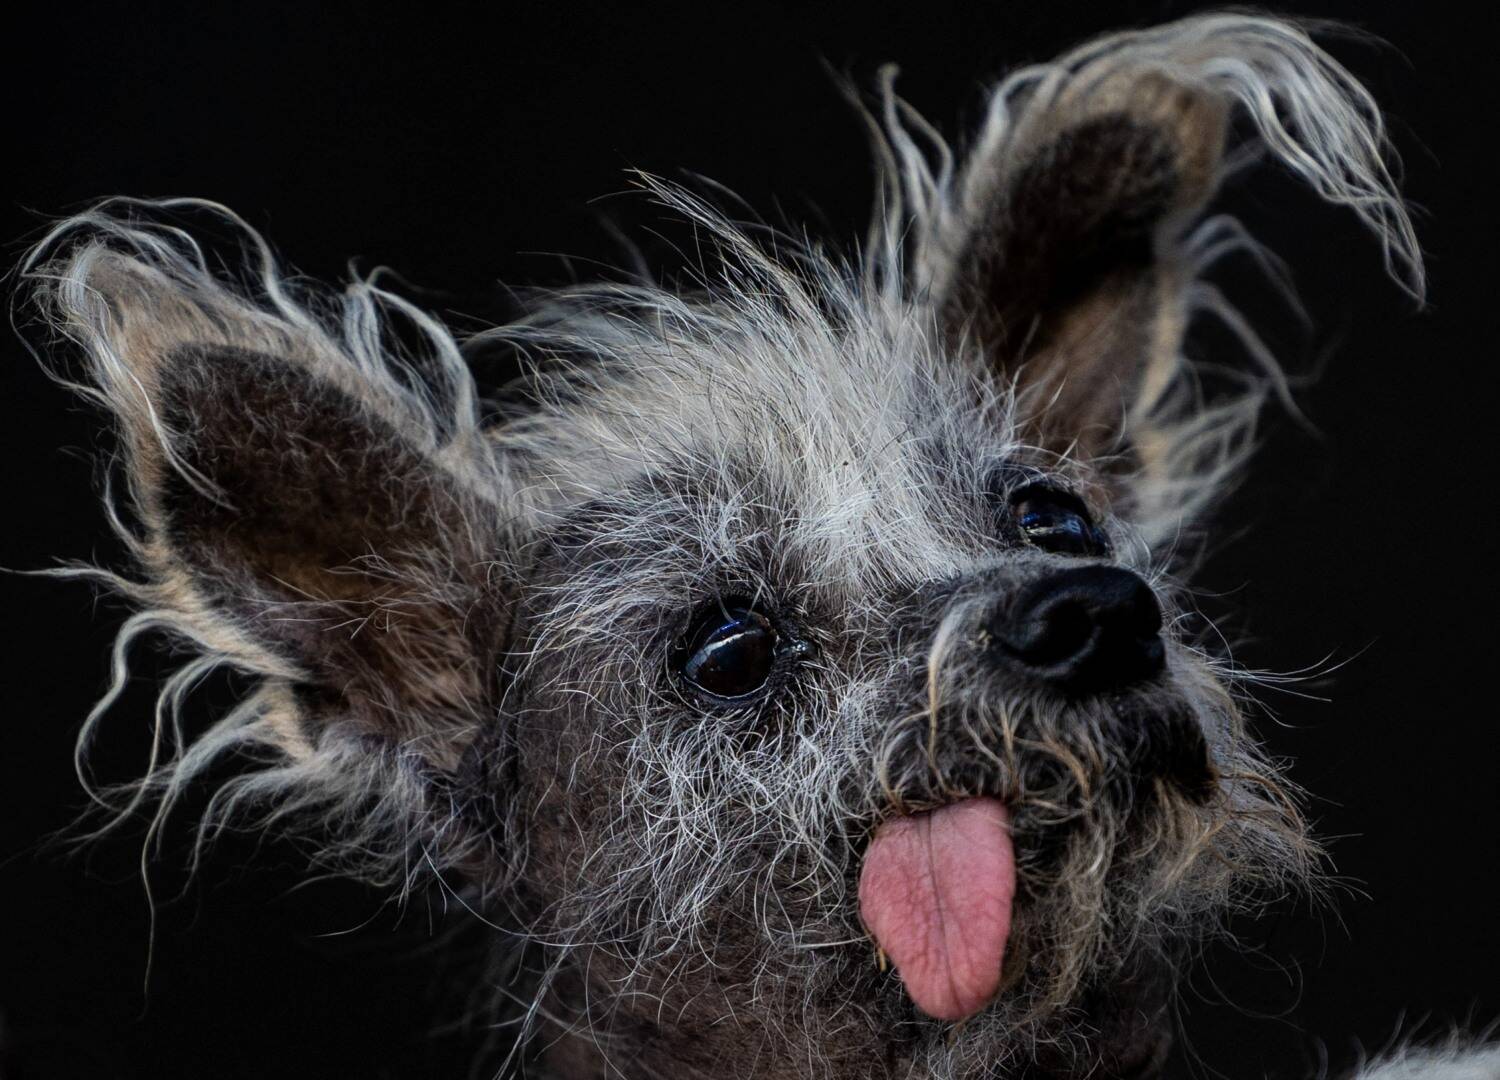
x=1069 y=276
x=1064 y=251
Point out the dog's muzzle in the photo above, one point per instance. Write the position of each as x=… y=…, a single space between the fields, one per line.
x=1055 y=718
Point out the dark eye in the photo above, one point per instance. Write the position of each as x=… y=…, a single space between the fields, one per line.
x=1055 y=521
x=730 y=653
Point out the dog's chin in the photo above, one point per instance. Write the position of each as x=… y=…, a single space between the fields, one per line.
x=1124 y=1032
x=1108 y=1016
x=1130 y=1029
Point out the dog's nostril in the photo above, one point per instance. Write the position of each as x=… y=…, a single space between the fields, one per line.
x=1088 y=628
x=1052 y=636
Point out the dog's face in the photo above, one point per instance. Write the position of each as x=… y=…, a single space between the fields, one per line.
x=836 y=652
x=794 y=667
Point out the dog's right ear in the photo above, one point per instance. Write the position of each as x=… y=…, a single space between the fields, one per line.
x=306 y=508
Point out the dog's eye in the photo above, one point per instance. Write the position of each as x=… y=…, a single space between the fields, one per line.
x=1057 y=522
x=730 y=653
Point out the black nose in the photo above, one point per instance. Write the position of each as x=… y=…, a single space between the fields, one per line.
x=1090 y=628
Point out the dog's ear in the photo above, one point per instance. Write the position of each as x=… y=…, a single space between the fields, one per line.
x=306 y=507
x=1066 y=278
x=1064 y=249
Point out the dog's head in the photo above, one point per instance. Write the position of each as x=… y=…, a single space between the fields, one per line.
x=793 y=665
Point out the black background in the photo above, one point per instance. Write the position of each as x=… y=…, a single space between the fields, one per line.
x=462 y=147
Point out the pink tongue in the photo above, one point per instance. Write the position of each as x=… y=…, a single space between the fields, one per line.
x=936 y=891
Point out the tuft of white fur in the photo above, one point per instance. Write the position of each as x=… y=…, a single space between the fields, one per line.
x=1456 y=1061
x=1309 y=113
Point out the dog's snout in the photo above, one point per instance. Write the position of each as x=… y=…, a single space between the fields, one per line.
x=1089 y=628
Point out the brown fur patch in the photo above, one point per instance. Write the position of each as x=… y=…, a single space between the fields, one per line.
x=330 y=537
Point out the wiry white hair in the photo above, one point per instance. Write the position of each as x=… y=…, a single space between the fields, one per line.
x=1309 y=112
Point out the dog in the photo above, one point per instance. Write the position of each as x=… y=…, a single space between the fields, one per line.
x=795 y=667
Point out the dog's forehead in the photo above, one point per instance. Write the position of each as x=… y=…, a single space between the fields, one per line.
x=855 y=451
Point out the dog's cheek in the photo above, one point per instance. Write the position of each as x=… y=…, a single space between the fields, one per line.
x=561 y=786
